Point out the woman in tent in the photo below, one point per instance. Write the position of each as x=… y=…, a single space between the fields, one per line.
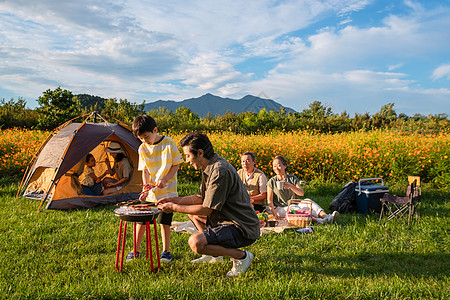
x=121 y=169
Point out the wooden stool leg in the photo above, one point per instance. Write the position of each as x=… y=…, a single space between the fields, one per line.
x=156 y=245
x=118 y=245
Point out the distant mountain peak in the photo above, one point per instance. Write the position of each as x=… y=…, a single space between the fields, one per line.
x=215 y=105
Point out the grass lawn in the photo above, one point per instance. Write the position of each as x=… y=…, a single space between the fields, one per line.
x=71 y=254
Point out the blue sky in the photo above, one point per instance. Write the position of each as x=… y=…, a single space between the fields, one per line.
x=352 y=55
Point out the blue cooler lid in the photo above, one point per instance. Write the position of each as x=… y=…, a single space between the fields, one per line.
x=372 y=188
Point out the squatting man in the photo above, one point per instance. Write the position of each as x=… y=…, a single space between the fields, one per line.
x=222 y=211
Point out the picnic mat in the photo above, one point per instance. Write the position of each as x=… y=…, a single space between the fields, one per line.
x=188 y=227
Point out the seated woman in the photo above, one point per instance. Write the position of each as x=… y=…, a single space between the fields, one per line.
x=90 y=183
x=121 y=169
x=277 y=199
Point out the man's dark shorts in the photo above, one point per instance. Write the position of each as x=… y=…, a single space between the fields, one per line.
x=227 y=236
x=163 y=219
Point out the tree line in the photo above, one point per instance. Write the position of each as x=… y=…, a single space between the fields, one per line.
x=58 y=106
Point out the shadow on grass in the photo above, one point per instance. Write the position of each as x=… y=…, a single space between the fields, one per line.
x=433 y=265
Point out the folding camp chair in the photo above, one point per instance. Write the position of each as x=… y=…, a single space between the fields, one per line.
x=400 y=207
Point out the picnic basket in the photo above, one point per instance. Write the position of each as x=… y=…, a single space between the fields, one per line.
x=301 y=218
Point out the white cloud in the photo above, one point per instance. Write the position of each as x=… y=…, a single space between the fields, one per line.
x=441 y=72
x=394 y=67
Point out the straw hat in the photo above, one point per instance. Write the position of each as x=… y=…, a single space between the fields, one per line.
x=114 y=147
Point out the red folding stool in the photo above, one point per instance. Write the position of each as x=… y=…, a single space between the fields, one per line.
x=147 y=218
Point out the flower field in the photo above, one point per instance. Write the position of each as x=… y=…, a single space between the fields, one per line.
x=340 y=158
x=345 y=156
x=17 y=148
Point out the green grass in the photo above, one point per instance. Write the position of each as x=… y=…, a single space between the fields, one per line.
x=71 y=254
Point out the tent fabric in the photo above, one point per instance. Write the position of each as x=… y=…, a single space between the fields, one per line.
x=85 y=139
x=54 y=150
x=87 y=202
x=53 y=176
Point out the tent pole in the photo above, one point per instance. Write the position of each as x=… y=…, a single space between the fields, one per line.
x=50 y=201
x=23 y=178
x=48 y=193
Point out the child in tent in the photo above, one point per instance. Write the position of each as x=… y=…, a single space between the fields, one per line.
x=159 y=161
x=90 y=183
x=278 y=199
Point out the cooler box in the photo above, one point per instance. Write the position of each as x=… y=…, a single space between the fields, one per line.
x=368 y=196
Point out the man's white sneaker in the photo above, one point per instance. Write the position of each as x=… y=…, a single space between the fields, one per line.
x=241 y=265
x=208 y=258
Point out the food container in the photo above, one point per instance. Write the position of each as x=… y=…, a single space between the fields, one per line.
x=272 y=222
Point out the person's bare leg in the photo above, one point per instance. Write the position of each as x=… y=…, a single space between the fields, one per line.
x=199 y=244
x=322 y=214
x=165 y=235
x=140 y=230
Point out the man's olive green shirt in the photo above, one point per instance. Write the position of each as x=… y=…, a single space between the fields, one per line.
x=223 y=191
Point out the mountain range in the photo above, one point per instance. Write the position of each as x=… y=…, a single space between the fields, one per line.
x=216 y=105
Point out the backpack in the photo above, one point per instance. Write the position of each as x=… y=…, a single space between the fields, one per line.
x=345 y=201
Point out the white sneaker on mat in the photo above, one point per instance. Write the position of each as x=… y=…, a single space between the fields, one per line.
x=333 y=217
x=240 y=266
x=208 y=258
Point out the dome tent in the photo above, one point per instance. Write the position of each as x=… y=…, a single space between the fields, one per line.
x=52 y=177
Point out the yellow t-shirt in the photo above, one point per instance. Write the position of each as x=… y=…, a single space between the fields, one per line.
x=158 y=159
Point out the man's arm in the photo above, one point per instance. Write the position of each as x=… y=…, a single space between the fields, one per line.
x=185 y=209
x=258 y=197
x=187 y=200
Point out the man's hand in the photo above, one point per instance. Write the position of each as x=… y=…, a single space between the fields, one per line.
x=164 y=200
x=166 y=207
